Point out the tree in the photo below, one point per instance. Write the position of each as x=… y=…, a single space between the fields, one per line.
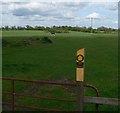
x=6 y=27
x=29 y=27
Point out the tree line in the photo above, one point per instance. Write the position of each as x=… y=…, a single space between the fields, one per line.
x=61 y=29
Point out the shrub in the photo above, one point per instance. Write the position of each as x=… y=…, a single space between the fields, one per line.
x=26 y=42
x=46 y=40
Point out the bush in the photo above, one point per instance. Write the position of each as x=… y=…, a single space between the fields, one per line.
x=46 y=40
x=22 y=43
x=26 y=42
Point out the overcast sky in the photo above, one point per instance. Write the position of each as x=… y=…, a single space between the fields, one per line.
x=37 y=12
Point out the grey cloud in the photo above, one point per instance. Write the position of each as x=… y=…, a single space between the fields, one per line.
x=76 y=4
x=22 y=12
x=8 y=3
x=58 y=10
x=41 y=11
x=113 y=7
x=26 y=12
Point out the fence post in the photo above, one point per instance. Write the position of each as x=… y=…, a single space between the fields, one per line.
x=13 y=95
x=80 y=79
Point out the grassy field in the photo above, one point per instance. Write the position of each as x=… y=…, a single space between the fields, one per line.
x=57 y=61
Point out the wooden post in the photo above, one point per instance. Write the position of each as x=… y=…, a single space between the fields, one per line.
x=80 y=79
x=13 y=95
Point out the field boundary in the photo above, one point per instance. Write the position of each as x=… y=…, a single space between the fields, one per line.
x=87 y=99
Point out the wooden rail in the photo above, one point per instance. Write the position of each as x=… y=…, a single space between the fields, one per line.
x=102 y=100
x=87 y=99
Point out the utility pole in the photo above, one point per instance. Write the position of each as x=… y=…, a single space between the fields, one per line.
x=91 y=19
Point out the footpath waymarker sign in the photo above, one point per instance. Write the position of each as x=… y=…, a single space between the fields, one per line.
x=80 y=65
x=80 y=59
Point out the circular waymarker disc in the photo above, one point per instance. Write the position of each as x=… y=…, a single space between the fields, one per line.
x=80 y=58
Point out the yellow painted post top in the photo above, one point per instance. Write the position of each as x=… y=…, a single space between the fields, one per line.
x=80 y=64
x=81 y=51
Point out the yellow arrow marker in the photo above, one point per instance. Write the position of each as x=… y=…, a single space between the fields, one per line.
x=80 y=58
x=80 y=65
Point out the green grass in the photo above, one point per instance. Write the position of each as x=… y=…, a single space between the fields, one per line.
x=57 y=60
x=54 y=92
